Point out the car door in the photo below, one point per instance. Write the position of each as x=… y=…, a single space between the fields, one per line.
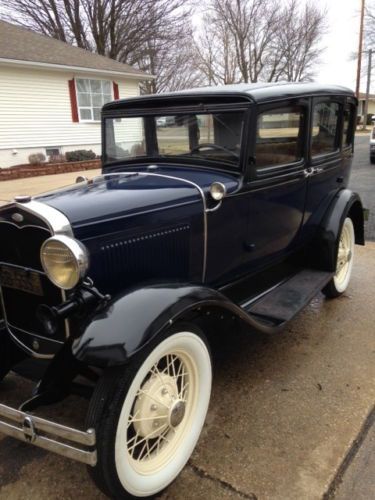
x=331 y=149
x=276 y=187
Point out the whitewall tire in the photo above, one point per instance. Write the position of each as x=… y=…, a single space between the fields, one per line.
x=345 y=253
x=152 y=415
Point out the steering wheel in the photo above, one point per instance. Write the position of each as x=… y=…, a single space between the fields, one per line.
x=213 y=146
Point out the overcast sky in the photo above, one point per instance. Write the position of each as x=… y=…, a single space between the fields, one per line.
x=340 y=42
x=336 y=63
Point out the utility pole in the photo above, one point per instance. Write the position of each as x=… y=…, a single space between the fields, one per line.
x=367 y=88
x=359 y=63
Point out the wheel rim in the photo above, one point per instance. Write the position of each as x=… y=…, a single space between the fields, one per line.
x=344 y=256
x=161 y=412
x=171 y=388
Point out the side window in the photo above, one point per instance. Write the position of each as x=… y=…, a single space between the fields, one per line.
x=324 y=128
x=348 y=122
x=279 y=136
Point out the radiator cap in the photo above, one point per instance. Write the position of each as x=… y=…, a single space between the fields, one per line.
x=22 y=198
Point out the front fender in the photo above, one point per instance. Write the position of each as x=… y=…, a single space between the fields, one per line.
x=324 y=250
x=133 y=319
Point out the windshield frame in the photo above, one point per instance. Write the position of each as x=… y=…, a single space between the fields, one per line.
x=194 y=161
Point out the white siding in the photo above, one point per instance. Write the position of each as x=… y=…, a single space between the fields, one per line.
x=35 y=113
x=127 y=88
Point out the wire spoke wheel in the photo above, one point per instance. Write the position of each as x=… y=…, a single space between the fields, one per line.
x=149 y=418
x=344 y=263
x=344 y=256
x=161 y=411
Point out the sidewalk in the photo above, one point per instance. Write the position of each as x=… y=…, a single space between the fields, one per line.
x=36 y=185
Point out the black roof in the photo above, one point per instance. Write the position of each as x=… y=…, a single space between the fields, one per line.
x=253 y=92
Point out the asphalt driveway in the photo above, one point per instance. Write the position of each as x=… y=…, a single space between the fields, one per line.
x=285 y=412
x=288 y=412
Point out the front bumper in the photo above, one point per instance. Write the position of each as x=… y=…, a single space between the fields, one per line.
x=65 y=441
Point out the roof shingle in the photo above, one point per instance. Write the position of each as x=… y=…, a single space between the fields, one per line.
x=17 y=43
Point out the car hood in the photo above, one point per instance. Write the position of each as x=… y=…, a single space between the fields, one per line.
x=117 y=195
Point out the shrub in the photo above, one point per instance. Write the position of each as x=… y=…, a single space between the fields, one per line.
x=80 y=155
x=37 y=159
x=57 y=159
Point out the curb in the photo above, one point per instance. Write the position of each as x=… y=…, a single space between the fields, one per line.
x=349 y=457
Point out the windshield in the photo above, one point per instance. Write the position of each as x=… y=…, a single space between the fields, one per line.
x=212 y=136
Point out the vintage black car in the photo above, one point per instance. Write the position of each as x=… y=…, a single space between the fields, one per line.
x=238 y=210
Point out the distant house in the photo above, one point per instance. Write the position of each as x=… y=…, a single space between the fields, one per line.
x=51 y=94
x=361 y=106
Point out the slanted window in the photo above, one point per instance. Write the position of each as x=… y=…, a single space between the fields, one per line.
x=91 y=96
x=126 y=138
x=212 y=137
x=324 y=129
x=348 y=124
x=279 y=136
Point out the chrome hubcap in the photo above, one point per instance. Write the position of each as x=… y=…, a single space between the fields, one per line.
x=177 y=413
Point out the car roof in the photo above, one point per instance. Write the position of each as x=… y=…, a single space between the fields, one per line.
x=253 y=92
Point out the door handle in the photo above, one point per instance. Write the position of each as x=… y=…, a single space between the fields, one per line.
x=308 y=172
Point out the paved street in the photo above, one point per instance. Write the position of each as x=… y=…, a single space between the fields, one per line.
x=363 y=181
x=291 y=415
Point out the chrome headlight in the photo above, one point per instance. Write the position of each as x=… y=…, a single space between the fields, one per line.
x=64 y=260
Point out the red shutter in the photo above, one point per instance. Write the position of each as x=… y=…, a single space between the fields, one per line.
x=73 y=100
x=116 y=94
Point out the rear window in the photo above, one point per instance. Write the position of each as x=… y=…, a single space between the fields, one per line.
x=348 y=122
x=324 y=128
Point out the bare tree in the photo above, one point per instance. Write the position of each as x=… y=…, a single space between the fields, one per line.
x=298 y=41
x=264 y=41
x=369 y=25
x=239 y=40
x=137 y=32
x=215 y=53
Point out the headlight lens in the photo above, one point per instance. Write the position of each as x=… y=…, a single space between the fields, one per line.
x=64 y=260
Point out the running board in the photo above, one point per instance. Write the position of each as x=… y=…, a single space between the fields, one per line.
x=283 y=302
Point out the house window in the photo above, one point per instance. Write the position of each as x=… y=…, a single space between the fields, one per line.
x=52 y=151
x=91 y=96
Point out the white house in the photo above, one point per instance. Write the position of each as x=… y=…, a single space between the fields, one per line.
x=51 y=94
x=361 y=106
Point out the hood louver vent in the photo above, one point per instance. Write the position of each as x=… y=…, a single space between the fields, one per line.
x=162 y=254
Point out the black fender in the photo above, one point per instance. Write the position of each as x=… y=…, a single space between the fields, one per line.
x=130 y=321
x=323 y=251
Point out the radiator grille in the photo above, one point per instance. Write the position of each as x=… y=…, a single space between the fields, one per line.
x=19 y=250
